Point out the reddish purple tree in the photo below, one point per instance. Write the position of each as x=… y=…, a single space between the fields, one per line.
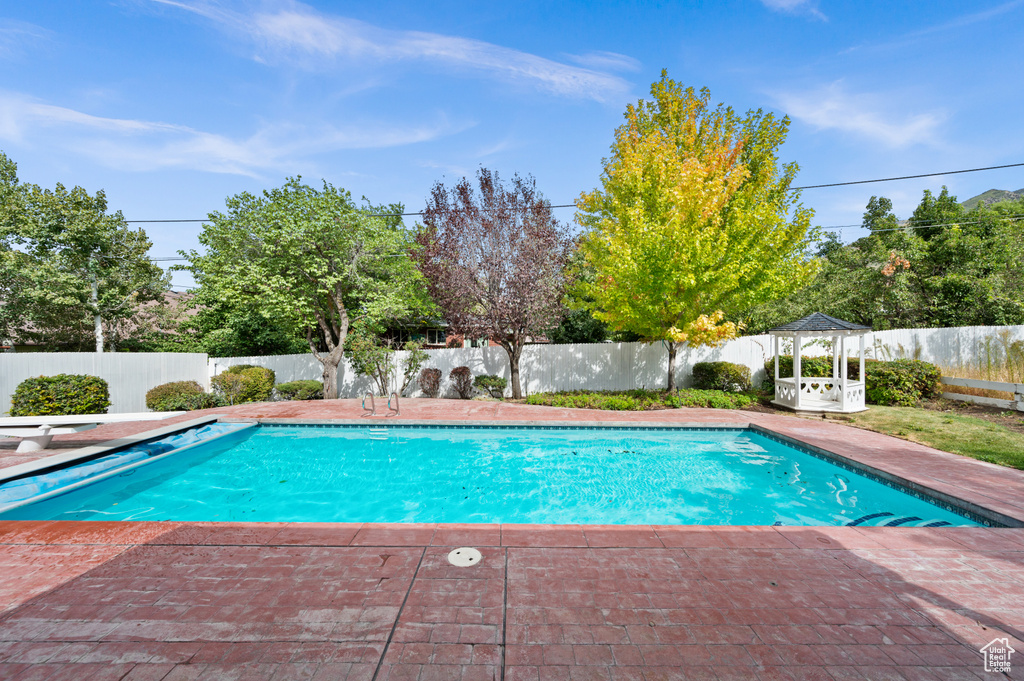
x=494 y=259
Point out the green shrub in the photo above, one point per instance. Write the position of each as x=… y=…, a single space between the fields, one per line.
x=244 y=383
x=462 y=381
x=168 y=391
x=494 y=385
x=238 y=368
x=257 y=384
x=228 y=386
x=901 y=382
x=189 y=402
x=301 y=390
x=61 y=395
x=709 y=399
x=820 y=367
x=725 y=376
x=641 y=400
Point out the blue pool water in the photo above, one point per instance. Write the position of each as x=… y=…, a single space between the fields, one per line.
x=492 y=475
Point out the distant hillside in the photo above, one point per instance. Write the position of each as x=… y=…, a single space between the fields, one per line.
x=992 y=196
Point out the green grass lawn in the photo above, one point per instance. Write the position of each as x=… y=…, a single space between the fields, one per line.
x=966 y=435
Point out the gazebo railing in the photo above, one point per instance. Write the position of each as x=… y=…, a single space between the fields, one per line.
x=814 y=389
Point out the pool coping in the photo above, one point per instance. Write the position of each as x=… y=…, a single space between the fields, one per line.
x=975 y=511
x=79 y=455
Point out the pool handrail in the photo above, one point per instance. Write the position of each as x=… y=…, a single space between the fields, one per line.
x=397 y=408
x=373 y=405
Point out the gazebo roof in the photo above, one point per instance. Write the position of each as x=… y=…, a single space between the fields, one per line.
x=819 y=323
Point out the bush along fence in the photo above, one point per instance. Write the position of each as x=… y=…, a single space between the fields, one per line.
x=545 y=368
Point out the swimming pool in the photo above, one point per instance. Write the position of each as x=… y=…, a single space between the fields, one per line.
x=503 y=474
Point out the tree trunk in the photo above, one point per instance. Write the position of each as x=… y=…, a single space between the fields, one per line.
x=671 y=366
x=331 y=361
x=514 y=352
x=330 y=378
x=97 y=320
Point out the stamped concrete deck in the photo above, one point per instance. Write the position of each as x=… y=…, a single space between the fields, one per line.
x=276 y=601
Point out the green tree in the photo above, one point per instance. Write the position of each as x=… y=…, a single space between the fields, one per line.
x=239 y=328
x=579 y=326
x=312 y=260
x=72 y=274
x=695 y=220
x=945 y=267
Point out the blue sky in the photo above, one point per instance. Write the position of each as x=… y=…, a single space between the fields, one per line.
x=173 y=105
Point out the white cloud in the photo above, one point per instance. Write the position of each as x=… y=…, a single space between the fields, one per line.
x=139 y=145
x=958 y=23
x=795 y=7
x=608 y=61
x=294 y=30
x=864 y=115
x=15 y=36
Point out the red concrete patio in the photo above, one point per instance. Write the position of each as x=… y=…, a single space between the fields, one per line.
x=92 y=600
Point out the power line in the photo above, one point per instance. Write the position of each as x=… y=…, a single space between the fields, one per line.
x=906 y=177
x=792 y=189
x=1012 y=217
x=948 y=224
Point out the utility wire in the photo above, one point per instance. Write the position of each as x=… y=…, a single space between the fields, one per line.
x=792 y=189
x=1011 y=217
x=905 y=177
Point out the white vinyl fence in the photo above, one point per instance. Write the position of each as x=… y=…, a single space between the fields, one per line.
x=1015 y=389
x=128 y=375
x=950 y=348
x=544 y=368
x=623 y=366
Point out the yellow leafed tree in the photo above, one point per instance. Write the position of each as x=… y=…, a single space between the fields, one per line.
x=694 y=221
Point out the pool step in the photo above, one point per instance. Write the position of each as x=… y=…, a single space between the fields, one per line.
x=378 y=433
x=886 y=519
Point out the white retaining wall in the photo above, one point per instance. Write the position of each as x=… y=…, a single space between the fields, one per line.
x=128 y=375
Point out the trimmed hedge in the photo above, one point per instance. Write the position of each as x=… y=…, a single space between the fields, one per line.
x=244 y=383
x=462 y=381
x=430 y=382
x=301 y=390
x=60 y=395
x=725 y=376
x=901 y=382
x=493 y=385
x=175 y=390
x=641 y=400
x=809 y=366
x=190 y=402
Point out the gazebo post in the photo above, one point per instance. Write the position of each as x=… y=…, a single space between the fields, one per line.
x=843 y=369
x=863 y=378
x=776 y=339
x=796 y=367
x=835 y=360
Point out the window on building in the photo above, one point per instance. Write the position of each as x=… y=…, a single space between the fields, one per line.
x=435 y=337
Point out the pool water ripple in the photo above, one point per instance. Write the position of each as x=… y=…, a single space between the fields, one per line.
x=481 y=475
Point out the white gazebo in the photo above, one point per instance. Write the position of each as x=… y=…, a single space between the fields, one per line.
x=820 y=393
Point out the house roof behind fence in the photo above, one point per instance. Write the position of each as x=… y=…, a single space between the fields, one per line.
x=820 y=322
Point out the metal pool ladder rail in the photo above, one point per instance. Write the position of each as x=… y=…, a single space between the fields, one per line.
x=373 y=406
x=394 y=411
